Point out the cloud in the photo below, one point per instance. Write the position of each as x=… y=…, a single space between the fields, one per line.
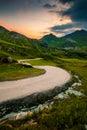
x=78 y=10
x=49 y=6
x=62 y=27
x=66 y=1
x=68 y=28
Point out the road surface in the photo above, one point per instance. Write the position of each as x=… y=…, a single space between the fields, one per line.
x=53 y=77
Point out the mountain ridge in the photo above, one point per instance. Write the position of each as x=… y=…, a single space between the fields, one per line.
x=76 y=39
x=17 y=45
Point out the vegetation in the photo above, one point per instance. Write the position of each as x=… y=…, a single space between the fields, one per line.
x=70 y=53
x=75 y=39
x=41 y=62
x=67 y=114
x=17 y=51
x=14 y=71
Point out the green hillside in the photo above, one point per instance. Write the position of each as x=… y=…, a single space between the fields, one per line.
x=16 y=51
x=19 y=46
x=75 y=39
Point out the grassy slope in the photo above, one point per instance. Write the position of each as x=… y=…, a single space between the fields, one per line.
x=67 y=114
x=17 y=51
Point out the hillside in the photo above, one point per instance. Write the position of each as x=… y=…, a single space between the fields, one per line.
x=19 y=46
x=75 y=39
x=13 y=37
x=14 y=50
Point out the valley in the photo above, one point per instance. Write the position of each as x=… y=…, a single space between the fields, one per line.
x=50 y=52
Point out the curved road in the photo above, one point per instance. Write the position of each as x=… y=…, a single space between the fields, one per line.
x=53 y=77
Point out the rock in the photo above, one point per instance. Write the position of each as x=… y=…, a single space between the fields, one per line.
x=61 y=96
x=20 y=115
x=9 y=59
x=72 y=91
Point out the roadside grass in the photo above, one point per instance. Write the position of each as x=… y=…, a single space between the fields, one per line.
x=14 y=71
x=41 y=62
x=78 y=67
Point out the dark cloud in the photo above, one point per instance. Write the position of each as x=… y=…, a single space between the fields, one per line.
x=62 y=32
x=62 y=27
x=49 y=6
x=66 y=1
x=78 y=10
x=67 y=28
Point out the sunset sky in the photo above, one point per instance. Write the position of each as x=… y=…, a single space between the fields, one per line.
x=35 y=18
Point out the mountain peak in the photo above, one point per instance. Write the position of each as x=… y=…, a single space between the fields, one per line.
x=51 y=34
x=82 y=30
x=49 y=37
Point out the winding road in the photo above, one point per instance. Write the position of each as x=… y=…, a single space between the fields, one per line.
x=53 y=77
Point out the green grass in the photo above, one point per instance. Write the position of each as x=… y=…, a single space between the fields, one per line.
x=78 y=67
x=41 y=62
x=15 y=71
x=18 y=51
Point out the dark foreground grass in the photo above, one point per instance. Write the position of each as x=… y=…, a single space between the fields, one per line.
x=67 y=114
x=15 y=71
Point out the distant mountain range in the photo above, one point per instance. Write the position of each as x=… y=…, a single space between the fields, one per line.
x=75 y=39
x=17 y=45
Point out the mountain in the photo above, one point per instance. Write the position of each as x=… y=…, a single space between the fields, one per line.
x=17 y=45
x=13 y=37
x=75 y=39
x=3 y=29
x=50 y=38
x=79 y=36
x=76 y=34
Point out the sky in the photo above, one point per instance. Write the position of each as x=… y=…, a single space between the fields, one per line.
x=36 y=18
